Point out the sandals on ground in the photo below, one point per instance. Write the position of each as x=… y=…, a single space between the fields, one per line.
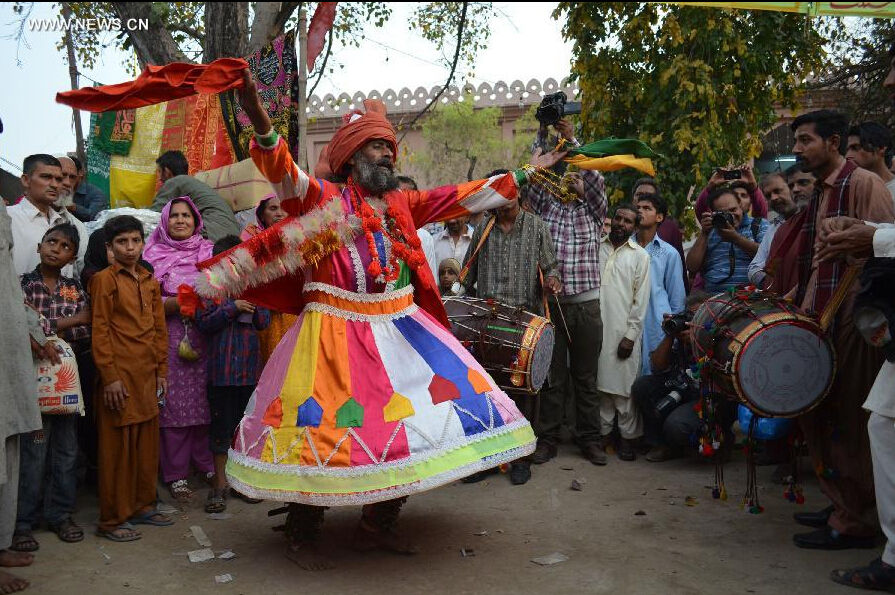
x=216 y=502
x=151 y=517
x=131 y=533
x=874 y=576
x=180 y=490
x=23 y=541
x=68 y=531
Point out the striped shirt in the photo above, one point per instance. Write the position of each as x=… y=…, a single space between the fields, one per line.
x=575 y=228
x=717 y=266
x=506 y=268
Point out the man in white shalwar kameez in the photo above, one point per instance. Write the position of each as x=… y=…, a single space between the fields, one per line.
x=624 y=295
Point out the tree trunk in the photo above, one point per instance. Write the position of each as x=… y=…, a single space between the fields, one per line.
x=226 y=30
x=303 y=89
x=472 y=162
x=73 y=74
x=155 y=46
x=269 y=22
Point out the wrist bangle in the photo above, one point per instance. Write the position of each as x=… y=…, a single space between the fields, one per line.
x=267 y=140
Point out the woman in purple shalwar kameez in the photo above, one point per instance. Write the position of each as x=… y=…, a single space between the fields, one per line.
x=173 y=250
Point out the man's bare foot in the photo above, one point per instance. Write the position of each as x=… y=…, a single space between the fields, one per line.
x=307 y=556
x=10 y=583
x=367 y=538
x=10 y=559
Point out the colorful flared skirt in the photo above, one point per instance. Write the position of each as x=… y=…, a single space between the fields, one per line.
x=368 y=398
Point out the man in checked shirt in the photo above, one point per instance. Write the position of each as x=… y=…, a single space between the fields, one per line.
x=575 y=227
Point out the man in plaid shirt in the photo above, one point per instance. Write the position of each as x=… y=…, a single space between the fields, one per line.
x=575 y=227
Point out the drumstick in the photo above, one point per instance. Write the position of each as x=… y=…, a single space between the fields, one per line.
x=563 y=318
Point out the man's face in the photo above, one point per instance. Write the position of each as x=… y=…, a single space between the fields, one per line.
x=889 y=83
x=379 y=152
x=649 y=216
x=457 y=226
x=812 y=151
x=863 y=157
x=575 y=183
x=779 y=196
x=163 y=173
x=508 y=212
x=43 y=185
x=623 y=225
x=730 y=204
x=801 y=186
x=56 y=250
x=643 y=190
x=373 y=167
x=69 y=177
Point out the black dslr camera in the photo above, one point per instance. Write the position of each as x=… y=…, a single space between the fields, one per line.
x=676 y=324
x=681 y=389
x=555 y=107
x=721 y=220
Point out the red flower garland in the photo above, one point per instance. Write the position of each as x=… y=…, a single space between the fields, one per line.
x=408 y=249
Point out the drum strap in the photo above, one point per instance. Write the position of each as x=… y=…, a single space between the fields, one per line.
x=544 y=293
x=838 y=297
x=485 y=233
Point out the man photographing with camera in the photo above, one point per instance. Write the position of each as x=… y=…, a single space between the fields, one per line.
x=575 y=220
x=727 y=243
x=666 y=397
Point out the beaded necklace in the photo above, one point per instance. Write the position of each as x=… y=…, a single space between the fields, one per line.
x=404 y=247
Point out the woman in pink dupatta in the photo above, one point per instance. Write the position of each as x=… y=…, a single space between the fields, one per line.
x=173 y=250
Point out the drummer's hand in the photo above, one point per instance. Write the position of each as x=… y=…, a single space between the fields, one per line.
x=856 y=241
x=831 y=224
x=625 y=348
x=553 y=285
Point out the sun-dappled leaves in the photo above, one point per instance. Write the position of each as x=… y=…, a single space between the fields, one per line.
x=699 y=85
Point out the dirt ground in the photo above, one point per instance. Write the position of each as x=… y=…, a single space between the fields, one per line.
x=711 y=547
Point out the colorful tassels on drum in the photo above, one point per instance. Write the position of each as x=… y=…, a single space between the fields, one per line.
x=750 y=499
x=793 y=491
x=712 y=435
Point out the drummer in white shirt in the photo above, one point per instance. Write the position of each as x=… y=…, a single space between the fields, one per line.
x=844 y=237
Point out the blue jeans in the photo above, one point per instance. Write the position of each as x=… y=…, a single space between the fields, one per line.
x=47 y=472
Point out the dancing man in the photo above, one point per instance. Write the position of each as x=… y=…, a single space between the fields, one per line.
x=368 y=398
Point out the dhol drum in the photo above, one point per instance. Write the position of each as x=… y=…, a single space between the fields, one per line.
x=763 y=351
x=513 y=345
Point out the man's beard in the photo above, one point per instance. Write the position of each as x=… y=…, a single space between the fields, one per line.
x=64 y=199
x=618 y=235
x=377 y=177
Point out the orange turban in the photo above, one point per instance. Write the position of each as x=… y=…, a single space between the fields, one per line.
x=359 y=129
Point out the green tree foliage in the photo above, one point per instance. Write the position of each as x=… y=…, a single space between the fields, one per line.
x=203 y=31
x=861 y=63
x=699 y=85
x=465 y=143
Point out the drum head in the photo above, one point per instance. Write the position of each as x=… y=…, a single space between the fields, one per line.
x=784 y=370
x=540 y=358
